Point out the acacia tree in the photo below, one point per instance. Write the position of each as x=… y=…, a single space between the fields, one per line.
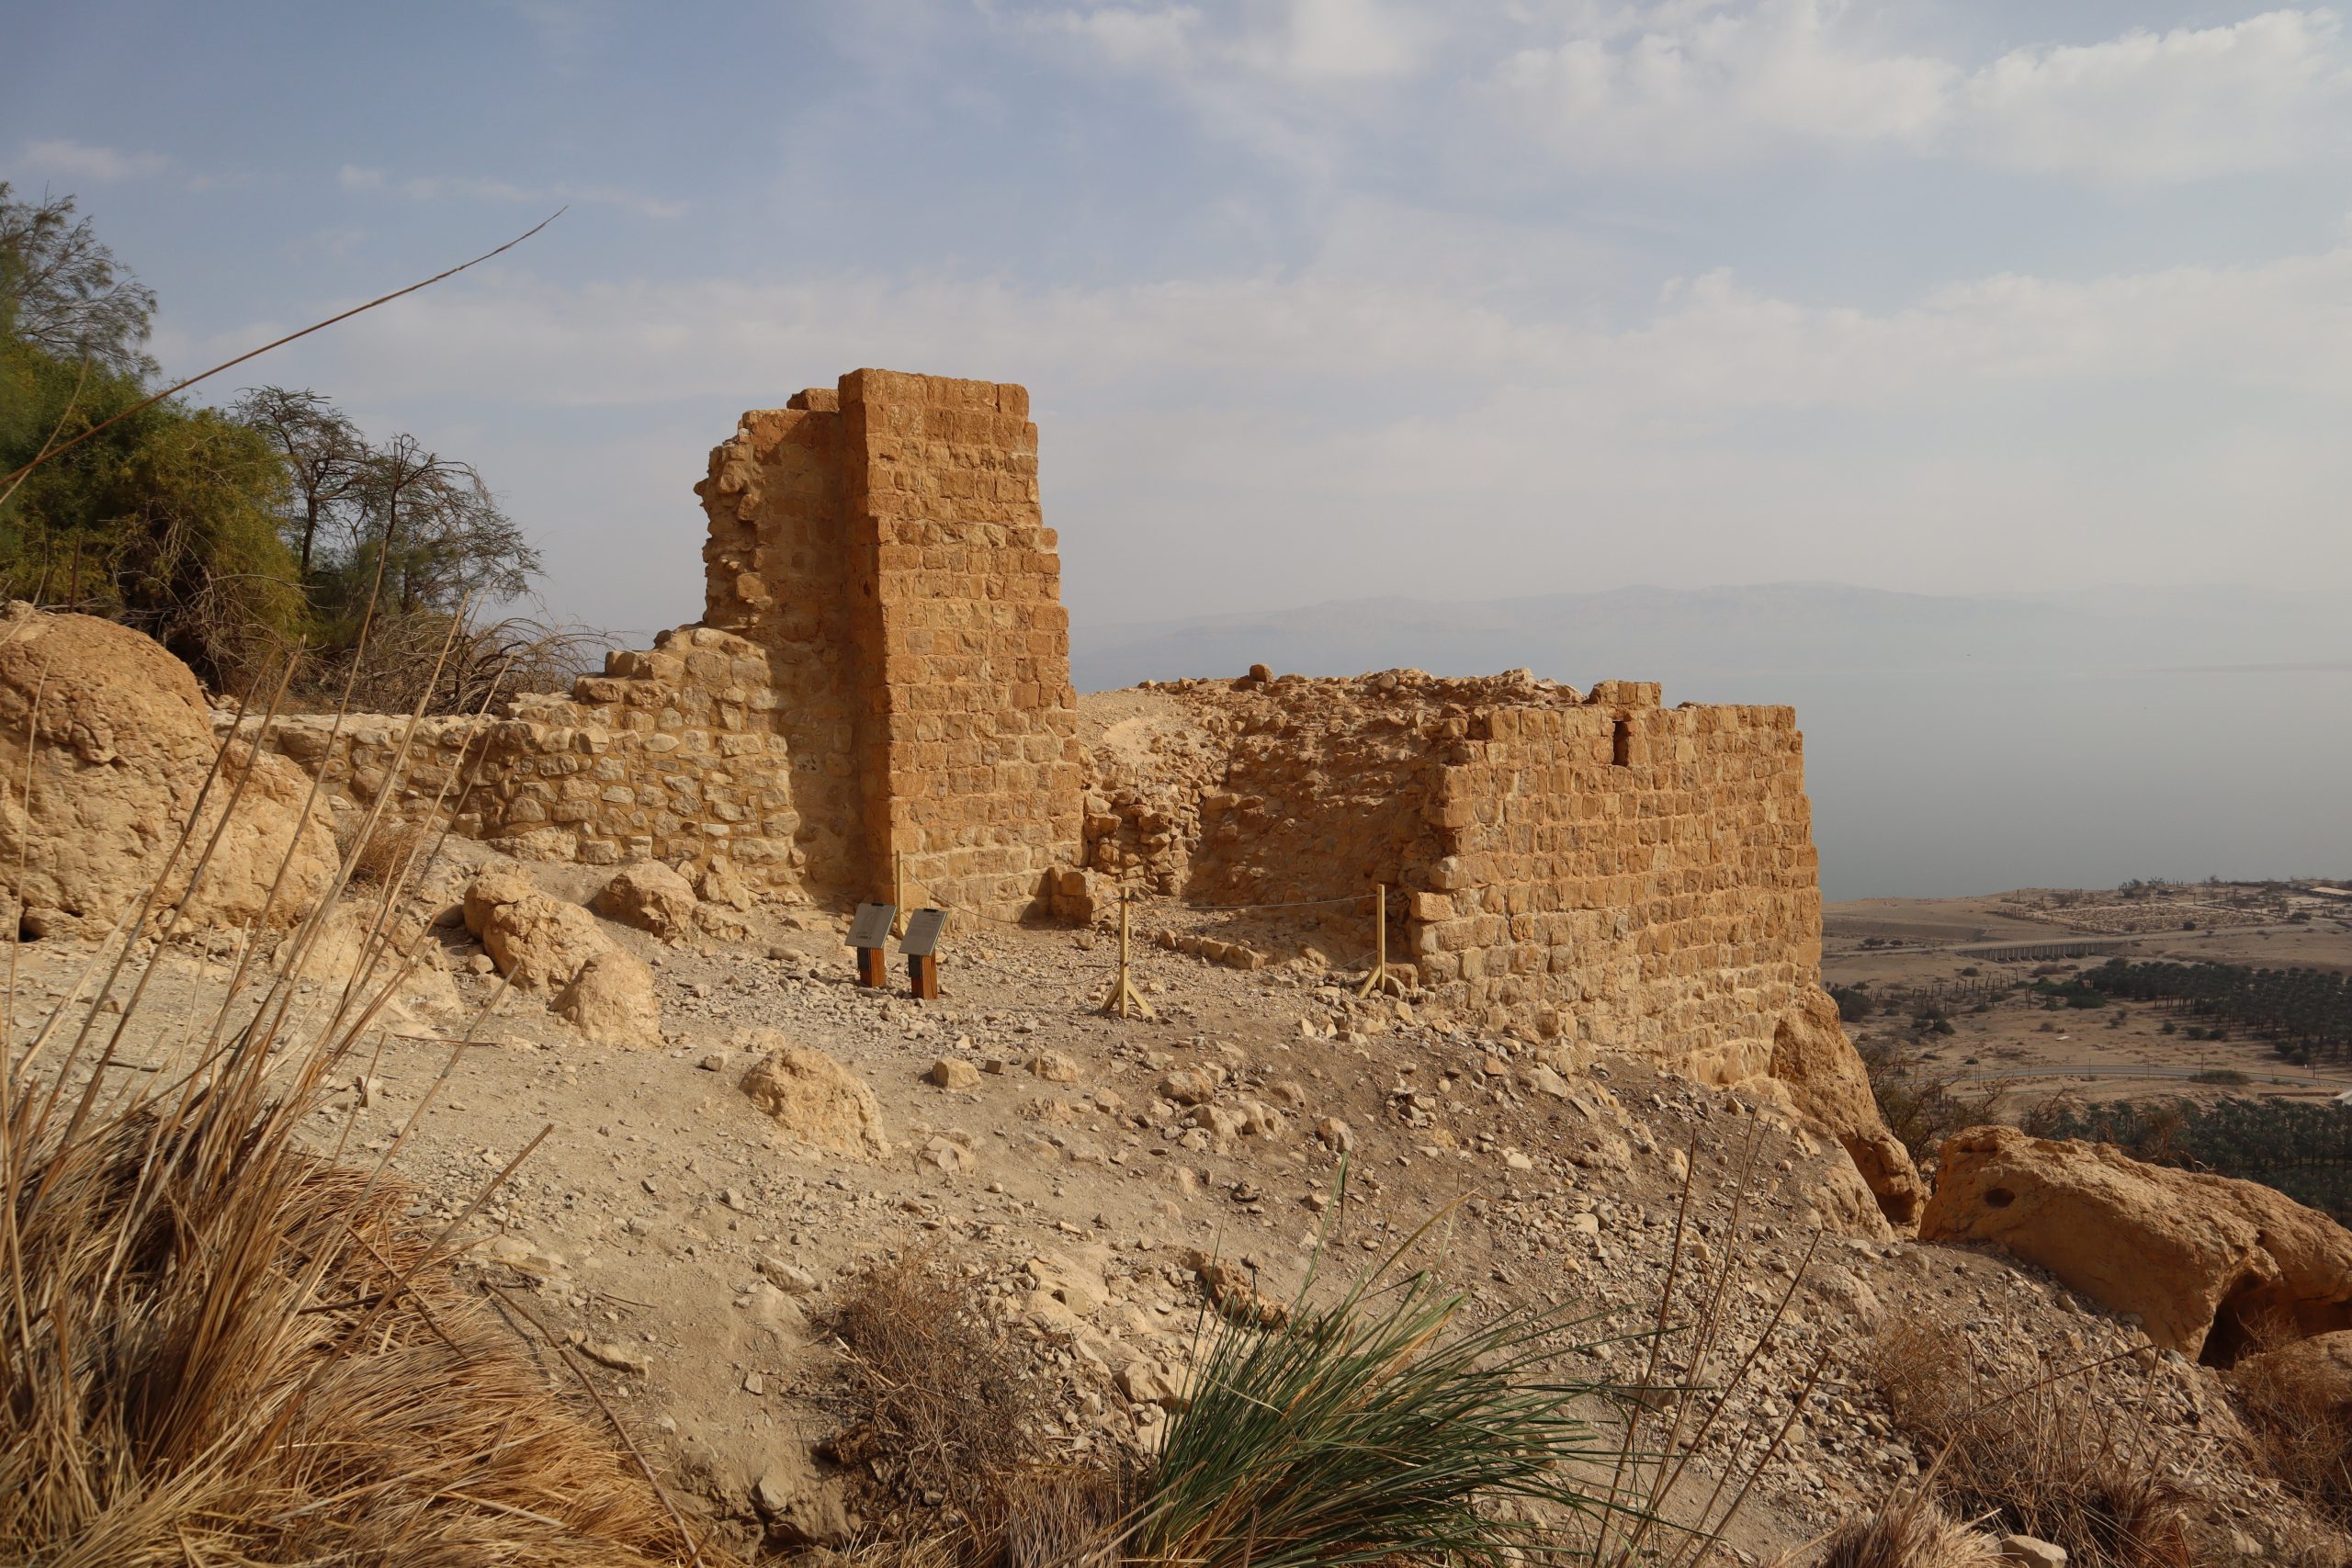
x=326 y=464
x=439 y=535
x=229 y=536
x=166 y=519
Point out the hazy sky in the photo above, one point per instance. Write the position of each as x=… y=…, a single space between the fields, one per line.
x=1316 y=297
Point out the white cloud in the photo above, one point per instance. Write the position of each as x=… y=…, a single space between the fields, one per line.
x=1151 y=38
x=1711 y=347
x=433 y=188
x=1710 y=86
x=1733 y=431
x=1707 y=84
x=1295 y=42
x=79 y=161
x=2189 y=104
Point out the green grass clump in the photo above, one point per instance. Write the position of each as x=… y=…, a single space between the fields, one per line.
x=1373 y=1428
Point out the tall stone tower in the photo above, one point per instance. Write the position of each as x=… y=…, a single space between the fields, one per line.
x=882 y=543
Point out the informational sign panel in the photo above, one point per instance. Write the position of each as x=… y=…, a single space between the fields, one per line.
x=872 y=927
x=922 y=932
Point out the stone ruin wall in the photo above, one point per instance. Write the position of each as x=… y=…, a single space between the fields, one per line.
x=1596 y=867
x=882 y=671
x=883 y=542
x=1639 y=876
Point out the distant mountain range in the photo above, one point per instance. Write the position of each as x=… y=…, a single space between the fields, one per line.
x=1712 y=635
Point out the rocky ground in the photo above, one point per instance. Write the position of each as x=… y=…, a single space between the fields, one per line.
x=1077 y=1169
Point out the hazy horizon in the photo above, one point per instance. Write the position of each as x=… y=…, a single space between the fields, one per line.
x=1954 y=744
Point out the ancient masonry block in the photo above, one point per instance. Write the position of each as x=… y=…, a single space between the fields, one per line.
x=884 y=543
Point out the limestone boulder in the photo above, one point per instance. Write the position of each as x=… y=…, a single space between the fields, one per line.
x=1814 y=1062
x=120 y=744
x=611 y=1000
x=813 y=1098
x=650 y=895
x=539 y=943
x=2201 y=1259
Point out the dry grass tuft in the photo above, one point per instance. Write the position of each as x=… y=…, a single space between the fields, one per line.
x=381 y=857
x=226 y=1350
x=1913 y=1533
x=2304 y=1429
x=2035 y=1454
x=942 y=1406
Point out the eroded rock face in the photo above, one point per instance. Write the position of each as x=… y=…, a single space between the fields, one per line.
x=650 y=895
x=2199 y=1258
x=813 y=1098
x=419 y=990
x=1826 y=1085
x=121 y=743
x=536 y=942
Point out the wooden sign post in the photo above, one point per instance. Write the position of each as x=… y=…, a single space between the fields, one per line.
x=1124 y=994
x=869 y=933
x=920 y=946
x=1380 y=981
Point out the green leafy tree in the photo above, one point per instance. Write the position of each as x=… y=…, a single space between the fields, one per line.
x=236 y=536
x=167 y=519
x=63 y=292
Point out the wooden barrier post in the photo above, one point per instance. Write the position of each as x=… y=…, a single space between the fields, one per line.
x=1380 y=980
x=899 y=892
x=1124 y=994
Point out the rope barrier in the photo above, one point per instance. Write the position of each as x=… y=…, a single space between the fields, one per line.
x=1177 y=907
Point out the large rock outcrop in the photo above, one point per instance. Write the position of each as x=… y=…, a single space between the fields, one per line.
x=1826 y=1085
x=120 y=744
x=611 y=1000
x=2201 y=1259
x=650 y=895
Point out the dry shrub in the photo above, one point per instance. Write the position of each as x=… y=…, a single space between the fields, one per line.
x=1913 y=1533
x=1921 y=1107
x=942 y=1408
x=383 y=855
x=2032 y=1452
x=420 y=658
x=215 y=1374
x=2304 y=1430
